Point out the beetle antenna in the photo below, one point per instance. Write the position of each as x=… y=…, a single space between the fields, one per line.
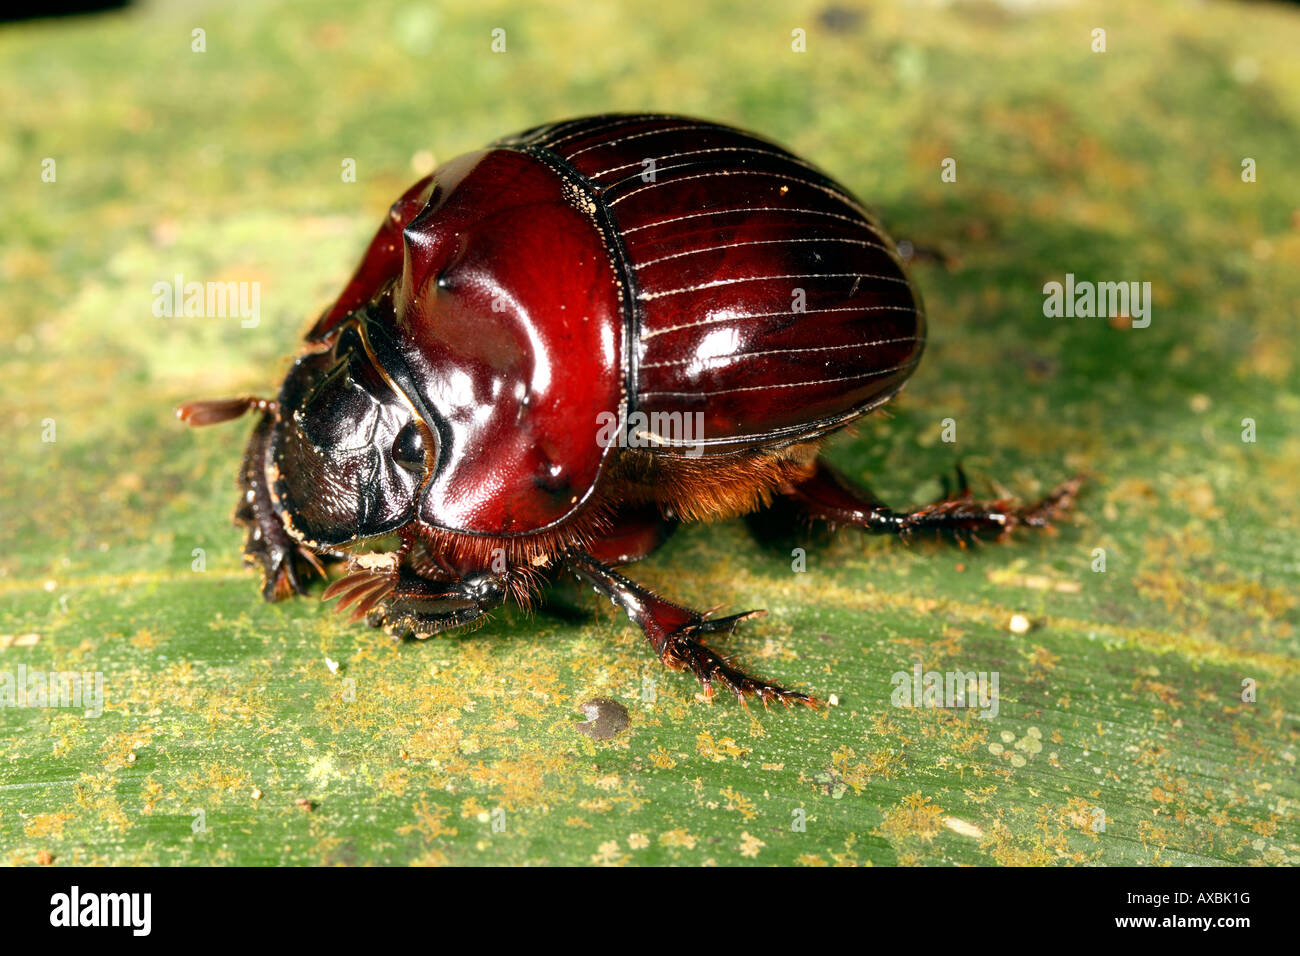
x=214 y=411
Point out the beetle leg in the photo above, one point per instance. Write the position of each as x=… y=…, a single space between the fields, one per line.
x=827 y=495
x=402 y=602
x=636 y=532
x=267 y=542
x=673 y=631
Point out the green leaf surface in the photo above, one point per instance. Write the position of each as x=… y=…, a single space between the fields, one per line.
x=235 y=731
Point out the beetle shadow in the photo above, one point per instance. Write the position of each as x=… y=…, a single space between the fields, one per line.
x=561 y=601
x=780 y=528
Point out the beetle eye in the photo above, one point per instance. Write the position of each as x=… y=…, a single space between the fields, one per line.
x=408 y=447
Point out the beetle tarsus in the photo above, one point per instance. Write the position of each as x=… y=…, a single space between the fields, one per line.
x=682 y=652
x=1054 y=506
x=672 y=631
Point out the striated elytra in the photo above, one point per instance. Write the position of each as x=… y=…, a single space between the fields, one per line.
x=559 y=346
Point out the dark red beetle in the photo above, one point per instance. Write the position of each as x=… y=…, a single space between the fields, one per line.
x=558 y=345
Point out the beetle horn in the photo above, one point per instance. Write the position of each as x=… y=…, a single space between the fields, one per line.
x=214 y=411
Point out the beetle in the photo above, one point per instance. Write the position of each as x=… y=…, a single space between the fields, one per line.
x=556 y=348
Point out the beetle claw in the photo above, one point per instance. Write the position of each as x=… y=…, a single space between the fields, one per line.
x=708 y=625
x=962 y=489
x=282 y=582
x=310 y=557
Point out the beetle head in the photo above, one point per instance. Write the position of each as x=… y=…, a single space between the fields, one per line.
x=349 y=451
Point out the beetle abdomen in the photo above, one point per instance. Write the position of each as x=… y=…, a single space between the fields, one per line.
x=763 y=295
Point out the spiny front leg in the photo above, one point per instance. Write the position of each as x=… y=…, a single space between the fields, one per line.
x=392 y=596
x=826 y=495
x=673 y=632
